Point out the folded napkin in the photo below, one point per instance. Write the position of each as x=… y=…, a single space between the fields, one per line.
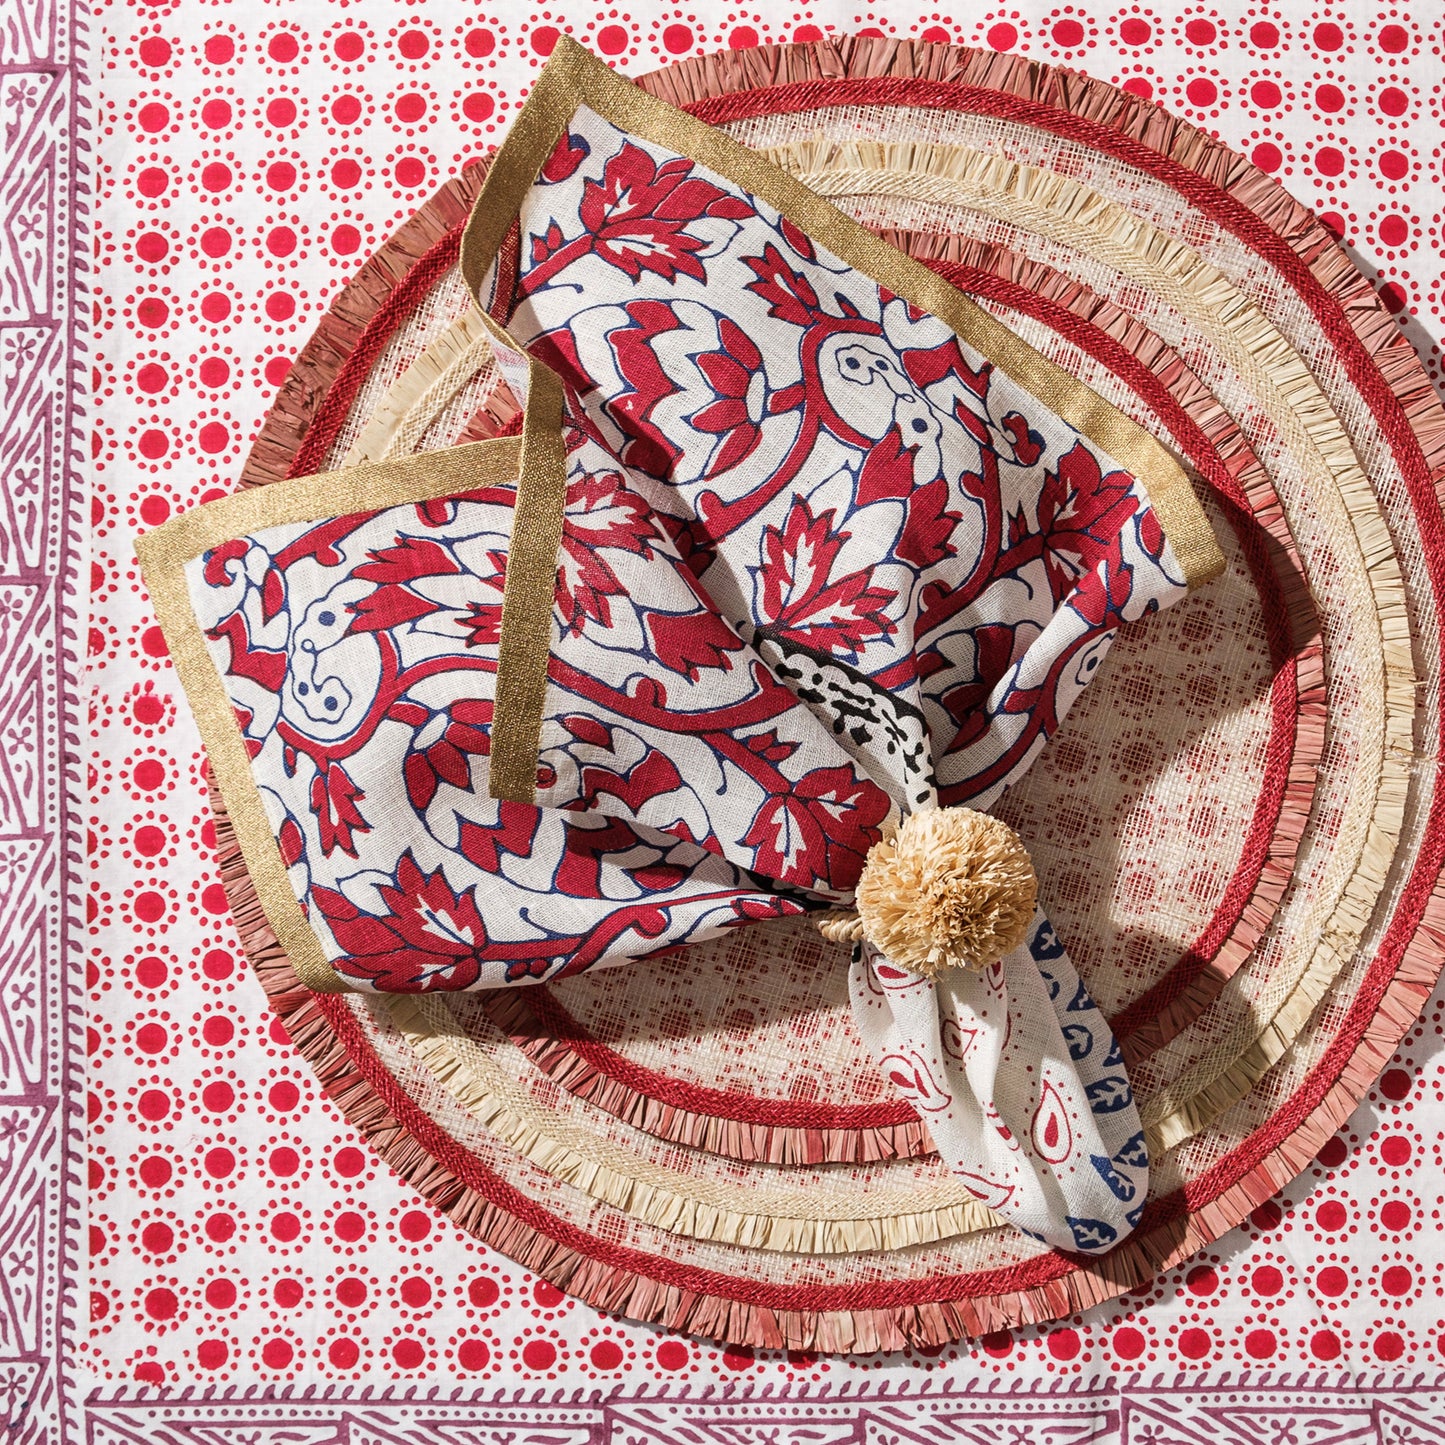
x=799 y=560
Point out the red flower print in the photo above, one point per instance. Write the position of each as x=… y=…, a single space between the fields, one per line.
x=789 y=294
x=799 y=598
x=735 y=373
x=447 y=759
x=394 y=602
x=887 y=470
x=430 y=937
x=636 y=218
x=1081 y=514
x=818 y=834
x=333 y=800
x=928 y=526
x=648 y=384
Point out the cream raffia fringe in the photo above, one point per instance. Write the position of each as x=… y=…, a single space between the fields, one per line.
x=422 y=391
x=777 y=1217
x=1071 y=214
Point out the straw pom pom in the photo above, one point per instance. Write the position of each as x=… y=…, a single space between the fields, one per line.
x=952 y=888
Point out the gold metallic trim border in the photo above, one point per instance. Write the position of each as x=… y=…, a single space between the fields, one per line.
x=163 y=555
x=525 y=642
x=573 y=77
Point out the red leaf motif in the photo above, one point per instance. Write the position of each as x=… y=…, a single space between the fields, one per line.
x=483 y=624
x=430 y=937
x=588 y=730
x=926 y=366
x=787 y=842
x=468 y=732
x=406 y=560
x=754 y=908
x=513 y=832
x=768 y=745
x=849 y=810
x=1151 y=534
x=800 y=600
x=1100 y=597
x=1082 y=512
x=579 y=874
x=602 y=513
x=692 y=642
x=290 y=842
x=735 y=373
x=549 y=241
x=1028 y=445
x=273 y=594
x=993 y=655
x=333 y=800
x=818 y=834
x=638 y=213
x=655 y=776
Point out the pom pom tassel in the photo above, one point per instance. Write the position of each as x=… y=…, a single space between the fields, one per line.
x=950 y=888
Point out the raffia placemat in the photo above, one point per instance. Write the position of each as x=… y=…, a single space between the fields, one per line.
x=1238 y=824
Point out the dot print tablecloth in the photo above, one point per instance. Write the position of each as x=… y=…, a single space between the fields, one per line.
x=250 y=1266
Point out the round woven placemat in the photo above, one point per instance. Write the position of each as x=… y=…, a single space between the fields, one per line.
x=1236 y=828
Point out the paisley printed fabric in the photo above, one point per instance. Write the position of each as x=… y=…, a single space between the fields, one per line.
x=1021 y=1084
x=823 y=562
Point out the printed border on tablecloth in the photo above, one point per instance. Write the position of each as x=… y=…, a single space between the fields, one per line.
x=43 y=550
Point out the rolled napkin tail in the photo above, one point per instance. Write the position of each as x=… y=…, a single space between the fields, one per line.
x=1021 y=1083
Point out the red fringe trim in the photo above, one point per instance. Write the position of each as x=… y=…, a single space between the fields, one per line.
x=735 y=1125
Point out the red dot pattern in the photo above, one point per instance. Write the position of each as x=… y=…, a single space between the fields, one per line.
x=240 y=1231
